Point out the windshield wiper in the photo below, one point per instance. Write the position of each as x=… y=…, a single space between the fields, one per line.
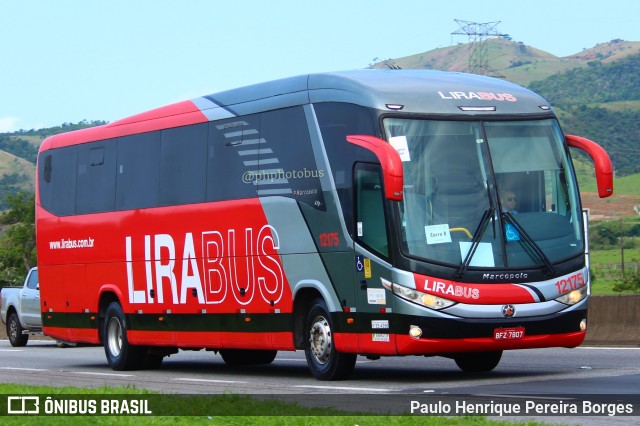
x=477 y=236
x=475 y=241
x=535 y=248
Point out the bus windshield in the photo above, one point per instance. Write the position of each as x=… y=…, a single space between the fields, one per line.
x=486 y=194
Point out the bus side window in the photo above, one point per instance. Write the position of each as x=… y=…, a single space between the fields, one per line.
x=137 y=171
x=232 y=158
x=337 y=120
x=371 y=226
x=286 y=157
x=96 y=177
x=58 y=195
x=183 y=165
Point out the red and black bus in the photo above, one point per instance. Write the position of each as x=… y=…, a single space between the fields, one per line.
x=372 y=212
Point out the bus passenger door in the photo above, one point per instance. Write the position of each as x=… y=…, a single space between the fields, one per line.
x=371 y=251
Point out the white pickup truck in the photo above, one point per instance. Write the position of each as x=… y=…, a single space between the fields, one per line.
x=20 y=309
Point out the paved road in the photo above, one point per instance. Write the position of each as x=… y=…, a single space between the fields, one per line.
x=591 y=371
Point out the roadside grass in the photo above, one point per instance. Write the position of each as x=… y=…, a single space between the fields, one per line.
x=603 y=286
x=251 y=411
x=605 y=276
x=610 y=256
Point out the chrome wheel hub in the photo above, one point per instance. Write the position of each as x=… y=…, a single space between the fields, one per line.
x=114 y=336
x=320 y=339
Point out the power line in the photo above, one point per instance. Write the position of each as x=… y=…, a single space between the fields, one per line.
x=477 y=34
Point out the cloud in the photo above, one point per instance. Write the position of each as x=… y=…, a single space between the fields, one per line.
x=9 y=124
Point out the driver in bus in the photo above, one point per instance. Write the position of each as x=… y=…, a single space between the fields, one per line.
x=508 y=201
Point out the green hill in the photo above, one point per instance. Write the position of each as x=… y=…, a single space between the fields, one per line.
x=502 y=54
x=626 y=185
x=618 y=132
x=595 y=93
x=539 y=70
x=599 y=82
x=18 y=151
x=515 y=61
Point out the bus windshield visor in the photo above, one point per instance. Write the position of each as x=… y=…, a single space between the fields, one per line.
x=506 y=186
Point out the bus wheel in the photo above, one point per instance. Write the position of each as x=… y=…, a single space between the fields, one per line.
x=120 y=354
x=14 y=331
x=233 y=357
x=324 y=361
x=478 y=362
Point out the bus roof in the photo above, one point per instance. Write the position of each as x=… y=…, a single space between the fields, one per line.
x=417 y=91
x=409 y=91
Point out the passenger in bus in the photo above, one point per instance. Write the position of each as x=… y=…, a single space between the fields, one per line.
x=509 y=201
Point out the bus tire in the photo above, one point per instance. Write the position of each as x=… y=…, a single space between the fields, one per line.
x=14 y=331
x=120 y=354
x=324 y=361
x=235 y=357
x=478 y=362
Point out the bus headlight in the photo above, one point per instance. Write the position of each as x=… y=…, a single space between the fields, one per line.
x=428 y=300
x=573 y=297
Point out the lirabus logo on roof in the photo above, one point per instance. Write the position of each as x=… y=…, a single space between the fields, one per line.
x=483 y=96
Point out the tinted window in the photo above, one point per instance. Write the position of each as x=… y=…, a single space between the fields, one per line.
x=183 y=165
x=58 y=192
x=370 y=219
x=96 y=180
x=261 y=154
x=232 y=158
x=337 y=120
x=137 y=171
x=45 y=186
x=287 y=166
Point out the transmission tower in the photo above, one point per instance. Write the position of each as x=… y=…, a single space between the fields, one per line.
x=477 y=34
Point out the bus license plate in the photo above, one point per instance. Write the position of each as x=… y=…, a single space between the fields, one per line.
x=508 y=333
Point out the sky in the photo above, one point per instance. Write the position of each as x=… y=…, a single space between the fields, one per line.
x=72 y=60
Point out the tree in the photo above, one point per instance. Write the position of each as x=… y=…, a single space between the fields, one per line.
x=18 y=238
x=631 y=283
x=604 y=236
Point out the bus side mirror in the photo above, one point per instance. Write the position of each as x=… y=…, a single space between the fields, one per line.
x=389 y=158
x=601 y=162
